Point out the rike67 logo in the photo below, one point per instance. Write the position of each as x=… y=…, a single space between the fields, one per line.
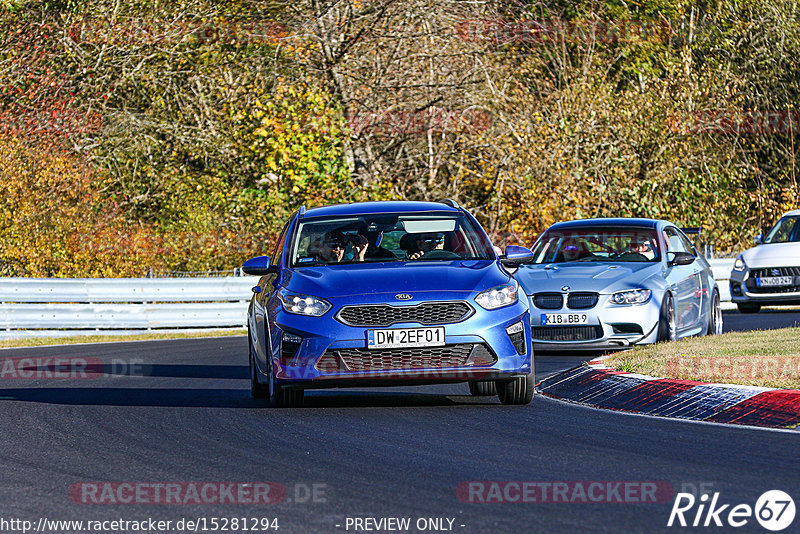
x=774 y=510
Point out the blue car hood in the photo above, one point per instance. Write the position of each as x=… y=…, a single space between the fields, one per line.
x=397 y=277
x=605 y=277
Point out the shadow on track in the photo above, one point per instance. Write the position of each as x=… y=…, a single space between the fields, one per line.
x=733 y=321
x=98 y=370
x=121 y=396
x=227 y=398
x=179 y=371
x=370 y=399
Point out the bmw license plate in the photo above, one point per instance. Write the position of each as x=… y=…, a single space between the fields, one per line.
x=555 y=319
x=405 y=337
x=773 y=281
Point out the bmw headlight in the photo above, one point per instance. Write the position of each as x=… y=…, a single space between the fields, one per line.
x=631 y=296
x=739 y=264
x=303 y=304
x=497 y=297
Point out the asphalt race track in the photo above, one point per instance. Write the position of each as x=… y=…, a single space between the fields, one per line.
x=180 y=411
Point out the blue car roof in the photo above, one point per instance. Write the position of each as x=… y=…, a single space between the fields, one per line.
x=630 y=222
x=373 y=208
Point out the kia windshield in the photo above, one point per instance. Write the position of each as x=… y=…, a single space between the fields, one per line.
x=388 y=238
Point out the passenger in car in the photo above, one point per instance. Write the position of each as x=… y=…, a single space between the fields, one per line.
x=332 y=246
x=575 y=251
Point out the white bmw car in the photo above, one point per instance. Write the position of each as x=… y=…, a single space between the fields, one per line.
x=608 y=284
x=769 y=273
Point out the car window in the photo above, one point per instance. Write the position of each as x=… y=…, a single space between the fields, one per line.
x=785 y=230
x=587 y=244
x=687 y=243
x=675 y=242
x=389 y=238
x=277 y=255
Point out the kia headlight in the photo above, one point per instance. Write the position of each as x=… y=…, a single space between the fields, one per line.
x=303 y=304
x=497 y=297
x=631 y=296
x=739 y=264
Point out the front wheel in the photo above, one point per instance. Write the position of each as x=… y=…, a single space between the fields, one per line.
x=715 y=316
x=283 y=397
x=257 y=389
x=748 y=307
x=667 y=328
x=482 y=388
x=516 y=391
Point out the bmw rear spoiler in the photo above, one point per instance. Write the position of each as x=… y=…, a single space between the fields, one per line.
x=692 y=230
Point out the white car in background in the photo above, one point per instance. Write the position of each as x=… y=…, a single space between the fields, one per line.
x=769 y=273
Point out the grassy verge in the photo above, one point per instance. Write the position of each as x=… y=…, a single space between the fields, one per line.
x=769 y=358
x=71 y=340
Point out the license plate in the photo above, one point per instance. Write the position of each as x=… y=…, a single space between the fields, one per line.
x=772 y=281
x=554 y=319
x=405 y=337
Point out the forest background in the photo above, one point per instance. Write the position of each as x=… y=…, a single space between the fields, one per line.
x=144 y=136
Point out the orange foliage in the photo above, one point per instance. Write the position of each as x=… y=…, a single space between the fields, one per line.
x=53 y=222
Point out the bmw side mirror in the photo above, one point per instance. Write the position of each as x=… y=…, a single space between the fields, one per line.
x=515 y=255
x=259 y=266
x=758 y=239
x=679 y=258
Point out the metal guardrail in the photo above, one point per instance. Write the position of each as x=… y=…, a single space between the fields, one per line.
x=70 y=306
x=58 y=307
x=228 y=288
x=722 y=274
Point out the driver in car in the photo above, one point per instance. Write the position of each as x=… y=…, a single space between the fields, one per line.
x=643 y=247
x=425 y=243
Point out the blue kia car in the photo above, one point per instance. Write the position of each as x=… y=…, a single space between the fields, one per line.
x=386 y=294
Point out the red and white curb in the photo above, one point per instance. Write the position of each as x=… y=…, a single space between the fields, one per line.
x=597 y=385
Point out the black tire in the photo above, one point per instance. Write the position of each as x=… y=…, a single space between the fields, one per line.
x=516 y=391
x=257 y=390
x=482 y=388
x=283 y=397
x=714 y=316
x=748 y=307
x=667 y=328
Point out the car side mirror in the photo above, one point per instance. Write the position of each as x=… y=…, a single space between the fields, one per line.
x=679 y=258
x=516 y=255
x=758 y=239
x=259 y=266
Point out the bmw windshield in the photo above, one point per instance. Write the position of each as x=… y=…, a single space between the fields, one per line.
x=608 y=244
x=388 y=238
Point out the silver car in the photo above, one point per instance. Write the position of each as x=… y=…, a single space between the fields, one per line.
x=602 y=284
x=769 y=274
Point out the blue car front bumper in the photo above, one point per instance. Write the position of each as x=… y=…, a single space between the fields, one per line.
x=315 y=361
